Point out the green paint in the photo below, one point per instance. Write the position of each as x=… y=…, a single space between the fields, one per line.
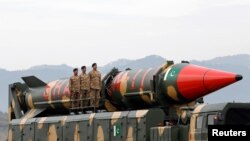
x=117 y=130
x=173 y=73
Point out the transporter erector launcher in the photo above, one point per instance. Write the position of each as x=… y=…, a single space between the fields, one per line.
x=150 y=104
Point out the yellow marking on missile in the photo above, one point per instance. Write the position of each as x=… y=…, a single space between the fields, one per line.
x=66 y=101
x=171 y=92
x=49 y=92
x=145 y=98
x=123 y=85
x=30 y=101
x=109 y=106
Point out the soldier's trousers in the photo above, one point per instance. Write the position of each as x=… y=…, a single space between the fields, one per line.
x=84 y=95
x=94 y=97
x=75 y=99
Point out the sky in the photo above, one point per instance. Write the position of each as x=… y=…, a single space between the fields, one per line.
x=79 y=32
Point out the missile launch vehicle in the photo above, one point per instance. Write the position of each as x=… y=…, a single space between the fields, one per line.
x=153 y=104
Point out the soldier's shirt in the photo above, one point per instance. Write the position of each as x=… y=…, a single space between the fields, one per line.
x=84 y=82
x=74 y=84
x=95 y=79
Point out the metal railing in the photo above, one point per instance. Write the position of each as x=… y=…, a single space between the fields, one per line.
x=81 y=108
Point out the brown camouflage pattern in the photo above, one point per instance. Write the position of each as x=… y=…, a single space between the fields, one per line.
x=84 y=89
x=84 y=81
x=94 y=96
x=74 y=84
x=84 y=98
x=95 y=79
x=75 y=102
x=109 y=126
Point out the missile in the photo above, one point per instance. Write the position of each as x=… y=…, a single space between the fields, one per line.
x=136 y=89
x=172 y=84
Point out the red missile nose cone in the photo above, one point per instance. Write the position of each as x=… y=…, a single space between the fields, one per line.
x=216 y=79
x=194 y=81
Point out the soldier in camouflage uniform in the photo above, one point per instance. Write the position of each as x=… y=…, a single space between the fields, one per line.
x=95 y=85
x=74 y=87
x=84 y=87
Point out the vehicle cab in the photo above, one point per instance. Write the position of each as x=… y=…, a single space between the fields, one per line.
x=217 y=114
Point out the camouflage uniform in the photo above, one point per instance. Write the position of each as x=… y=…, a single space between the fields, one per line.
x=74 y=87
x=95 y=87
x=84 y=87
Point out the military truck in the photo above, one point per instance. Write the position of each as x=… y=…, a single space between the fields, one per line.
x=136 y=125
x=154 y=104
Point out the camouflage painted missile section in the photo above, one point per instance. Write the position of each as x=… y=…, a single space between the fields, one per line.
x=136 y=105
x=165 y=86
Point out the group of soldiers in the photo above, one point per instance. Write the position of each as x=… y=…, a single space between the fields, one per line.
x=85 y=88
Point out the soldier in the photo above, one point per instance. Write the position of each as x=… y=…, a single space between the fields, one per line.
x=74 y=87
x=95 y=85
x=84 y=87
